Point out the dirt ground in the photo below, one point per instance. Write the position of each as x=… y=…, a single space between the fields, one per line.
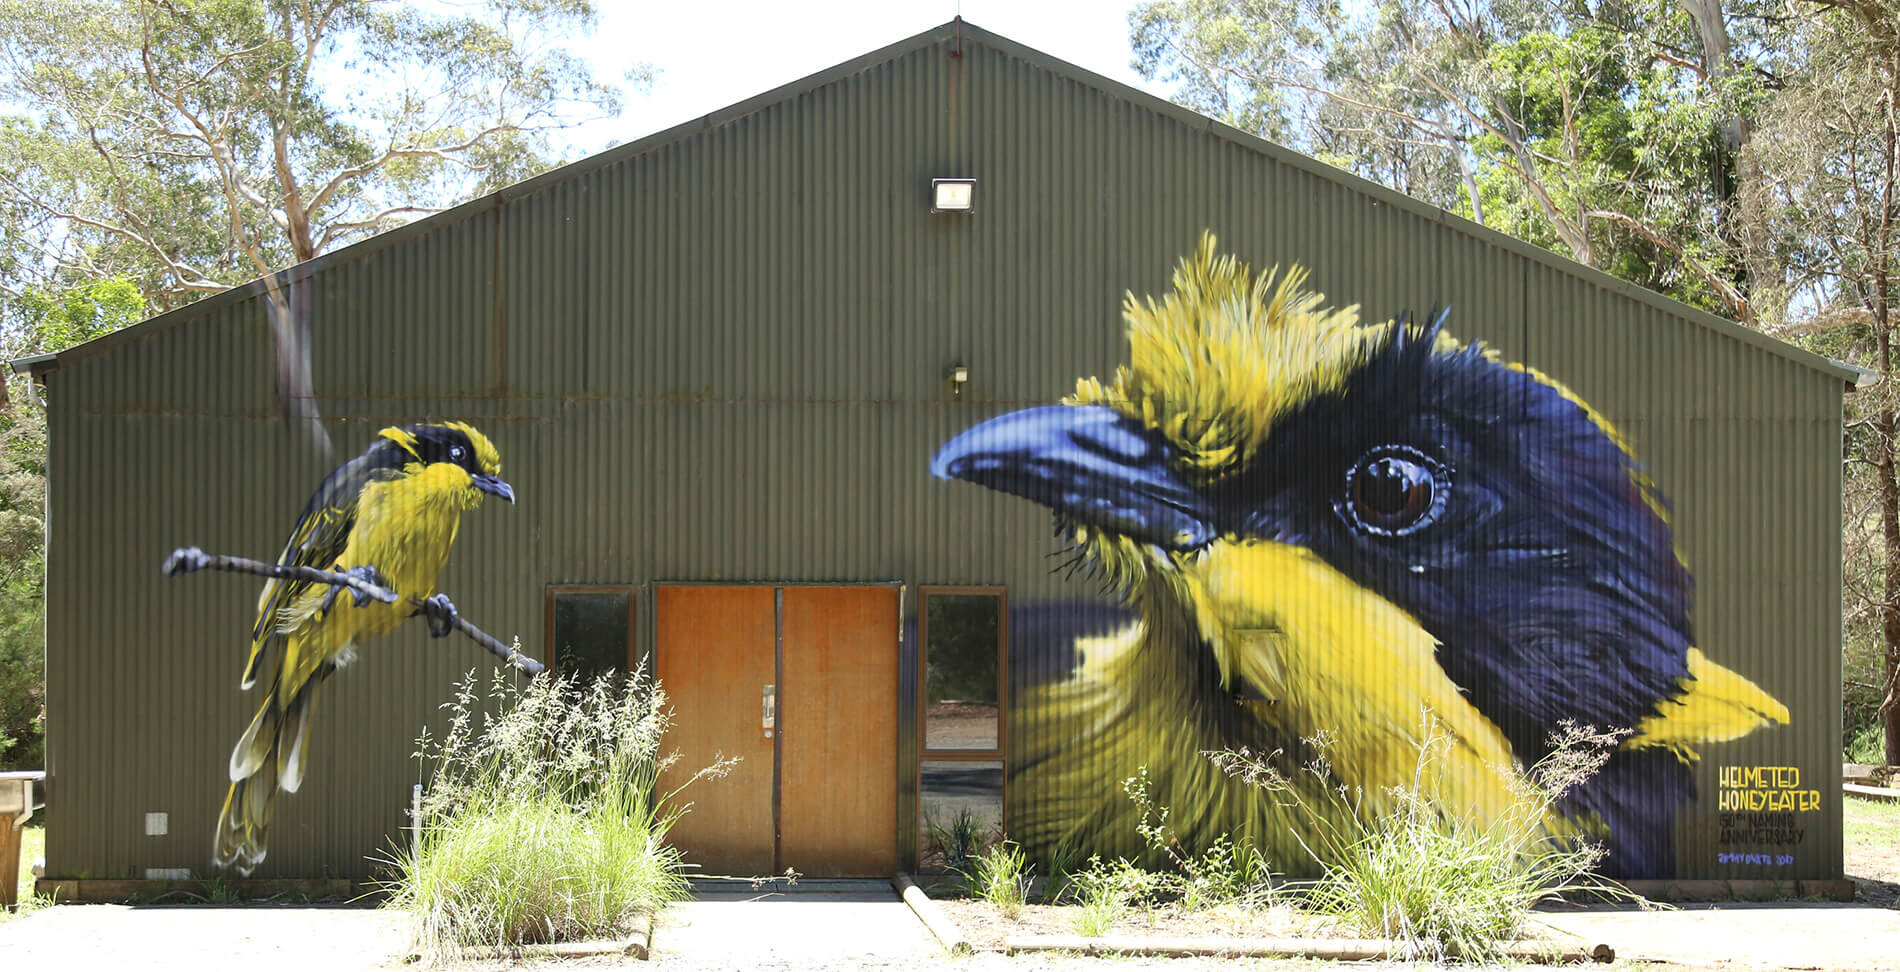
x=987 y=927
x=1793 y=935
x=1871 y=850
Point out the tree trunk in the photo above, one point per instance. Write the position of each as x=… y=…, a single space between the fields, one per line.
x=1884 y=428
x=1880 y=281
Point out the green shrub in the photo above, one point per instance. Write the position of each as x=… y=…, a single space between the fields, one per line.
x=1223 y=874
x=1104 y=891
x=539 y=819
x=1867 y=744
x=1443 y=886
x=1001 y=876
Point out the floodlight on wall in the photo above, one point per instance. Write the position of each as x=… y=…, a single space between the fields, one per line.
x=952 y=195
x=959 y=376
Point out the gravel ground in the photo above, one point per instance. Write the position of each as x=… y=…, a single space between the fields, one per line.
x=869 y=929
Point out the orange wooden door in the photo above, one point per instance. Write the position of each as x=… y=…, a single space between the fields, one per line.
x=715 y=656
x=838 y=738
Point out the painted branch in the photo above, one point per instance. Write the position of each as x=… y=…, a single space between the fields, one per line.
x=186 y=560
x=506 y=653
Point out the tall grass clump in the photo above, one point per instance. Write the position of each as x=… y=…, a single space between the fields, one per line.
x=1443 y=886
x=539 y=821
x=1001 y=876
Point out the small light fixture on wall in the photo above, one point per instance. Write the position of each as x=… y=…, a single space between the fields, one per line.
x=959 y=376
x=952 y=195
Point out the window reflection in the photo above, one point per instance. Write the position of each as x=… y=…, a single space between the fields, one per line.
x=962 y=645
x=961 y=813
x=590 y=632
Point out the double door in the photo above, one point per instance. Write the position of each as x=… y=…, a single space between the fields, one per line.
x=800 y=684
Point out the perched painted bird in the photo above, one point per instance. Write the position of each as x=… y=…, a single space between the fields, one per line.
x=389 y=515
x=1366 y=534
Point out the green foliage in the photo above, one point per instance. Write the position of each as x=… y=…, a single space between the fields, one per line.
x=39 y=320
x=57 y=320
x=1596 y=133
x=1445 y=887
x=1872 y=824
x=1222 y=874
x=22 y=589
x=1823 y=240
x=963 y=632
x=539 y=820
x=1866 y=743
x=958 y=839
x=1001 y=877
x=189 y=146
x=1106 y=890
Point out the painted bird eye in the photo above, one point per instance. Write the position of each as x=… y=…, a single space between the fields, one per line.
x=456 y=453
x=1395 y=490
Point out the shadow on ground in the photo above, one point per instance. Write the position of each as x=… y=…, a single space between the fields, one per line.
x=1876 y=892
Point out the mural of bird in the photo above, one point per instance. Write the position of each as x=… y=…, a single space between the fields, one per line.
x=1370 y=534
x=389 y=515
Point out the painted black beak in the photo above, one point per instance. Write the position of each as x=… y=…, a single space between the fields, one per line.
x=1087 y=463
x=494 y=484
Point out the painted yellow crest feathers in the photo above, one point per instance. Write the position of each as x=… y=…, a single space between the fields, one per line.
x=1219 y=358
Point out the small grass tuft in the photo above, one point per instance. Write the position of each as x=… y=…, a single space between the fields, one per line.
x=1223 y=874
x=1001 y=877
x=1106 y=891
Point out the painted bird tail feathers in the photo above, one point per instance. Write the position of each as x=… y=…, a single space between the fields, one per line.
x=245 y=823
x=270 y=756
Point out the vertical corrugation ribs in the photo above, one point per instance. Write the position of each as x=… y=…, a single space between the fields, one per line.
x=725 y=361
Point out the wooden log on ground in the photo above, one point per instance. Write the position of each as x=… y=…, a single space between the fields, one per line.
x=1879 y=794
x=932 y=916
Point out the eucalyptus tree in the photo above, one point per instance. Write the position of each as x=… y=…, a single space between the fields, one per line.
x=1821 y=204
x=192 y=144
x=1604 y=130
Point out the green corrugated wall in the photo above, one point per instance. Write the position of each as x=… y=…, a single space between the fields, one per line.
x=718 y=354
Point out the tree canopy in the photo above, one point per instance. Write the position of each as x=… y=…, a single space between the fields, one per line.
x=188 y=145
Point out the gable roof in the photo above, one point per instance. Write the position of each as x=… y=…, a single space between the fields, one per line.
x=959 y=32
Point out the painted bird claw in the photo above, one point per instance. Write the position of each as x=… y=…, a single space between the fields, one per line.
x=185 y=560
x=439 y=611
x=367 y=574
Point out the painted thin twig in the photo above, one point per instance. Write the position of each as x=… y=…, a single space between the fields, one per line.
x=186 y=560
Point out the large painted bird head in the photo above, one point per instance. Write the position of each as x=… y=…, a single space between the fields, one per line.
x=1360 y=520
x=461 y=459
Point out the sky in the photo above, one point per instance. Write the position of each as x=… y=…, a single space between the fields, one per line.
x=708 y=57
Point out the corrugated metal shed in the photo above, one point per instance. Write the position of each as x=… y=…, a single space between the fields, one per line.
x=717 y=354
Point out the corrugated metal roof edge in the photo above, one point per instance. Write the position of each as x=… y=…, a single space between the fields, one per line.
x=959 y=30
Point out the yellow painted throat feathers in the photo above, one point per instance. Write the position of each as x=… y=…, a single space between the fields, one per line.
x=394 y=509
x=1372 y=534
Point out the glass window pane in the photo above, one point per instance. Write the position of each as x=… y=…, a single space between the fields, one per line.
x=590 y=632
x=961 y=813
x=962 y=634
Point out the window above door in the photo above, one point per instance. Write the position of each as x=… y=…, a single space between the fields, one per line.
x=590 y=629
x=962 y=637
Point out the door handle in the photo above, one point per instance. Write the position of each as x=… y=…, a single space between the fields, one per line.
x=768 y=710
